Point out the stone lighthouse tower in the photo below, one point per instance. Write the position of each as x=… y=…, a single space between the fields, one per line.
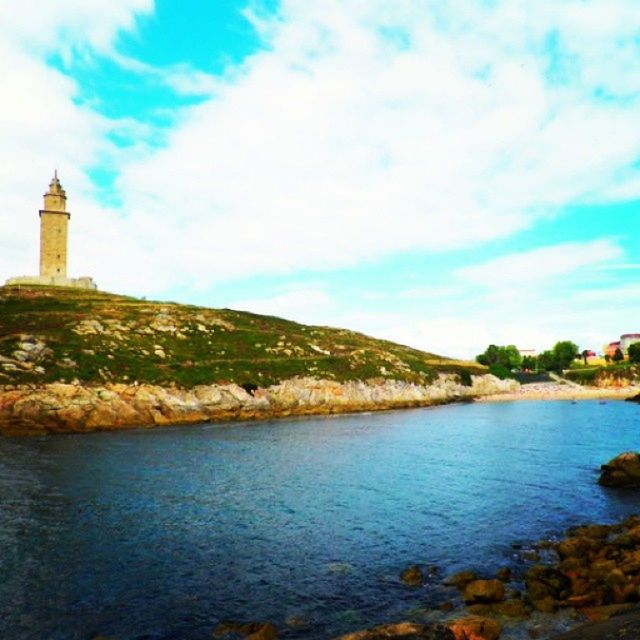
x=54 y=220
x=54 y=225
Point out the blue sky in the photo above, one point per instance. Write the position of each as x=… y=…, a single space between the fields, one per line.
x=442 y=174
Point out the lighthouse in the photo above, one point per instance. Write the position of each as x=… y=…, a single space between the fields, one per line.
x=54 y=223
x=54 y=234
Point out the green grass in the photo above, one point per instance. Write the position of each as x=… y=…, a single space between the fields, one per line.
x=624 y=371
x=200 y=345
x=584 y=375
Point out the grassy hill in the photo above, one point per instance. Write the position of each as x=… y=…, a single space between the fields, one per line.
x=56 y=334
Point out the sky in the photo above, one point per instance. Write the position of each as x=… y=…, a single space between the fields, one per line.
x=445 y=174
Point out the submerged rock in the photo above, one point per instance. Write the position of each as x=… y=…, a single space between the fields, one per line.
x=460 y=580
x=621 y=471
x=412 y=576
x=484 y=592
x=248 y=630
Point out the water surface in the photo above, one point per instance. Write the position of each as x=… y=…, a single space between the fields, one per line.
x=162 y=533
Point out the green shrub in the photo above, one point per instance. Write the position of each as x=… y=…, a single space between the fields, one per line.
x=500 y=371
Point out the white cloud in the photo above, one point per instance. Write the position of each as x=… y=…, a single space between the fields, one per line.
x=540 y=264
x=65 y=25
x=339 y=143
x=310 y=305
x=42 y=126
x=358 y=131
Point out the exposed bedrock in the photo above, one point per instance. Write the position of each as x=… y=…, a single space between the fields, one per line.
x=67 y=407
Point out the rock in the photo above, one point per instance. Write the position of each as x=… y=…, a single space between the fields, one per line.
x=621 y=471
x=545 y=605
x=635 y=398
x=544 y=582
x=512 y=609
x=37 y=409
x=460 y=580
x=575 y=547
x=615 y=579
x=504 y=574
x=484 y=591
x=251 y=630
x=480 y=609
x=595 y=531
x=405 y=630
x=266 y=632
x=598 y=614
x=298 y=621
x=412 y=576
x=625 y=626
x=476 y=628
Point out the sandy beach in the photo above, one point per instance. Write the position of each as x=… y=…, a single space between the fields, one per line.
x=560 y=391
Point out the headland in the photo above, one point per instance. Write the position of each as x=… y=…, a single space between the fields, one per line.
x=81 y=360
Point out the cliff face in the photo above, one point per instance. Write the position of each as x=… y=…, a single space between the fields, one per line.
x=66 y=407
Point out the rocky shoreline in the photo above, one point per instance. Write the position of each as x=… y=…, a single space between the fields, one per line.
x=585 y=586
x=60 y=408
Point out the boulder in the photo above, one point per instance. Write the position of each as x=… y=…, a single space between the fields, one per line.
x=595 y=531
x=512 y=609
x=504 y=574
x=598 y=614
x=404 y=630
x=575 y=547
x=621 y=471
x=484 y=592
x=547 y=582
x=476 y=628
x=460 y=580
x=545 y=605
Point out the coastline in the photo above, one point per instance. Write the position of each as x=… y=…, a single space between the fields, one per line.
x=68 y=408
x=559 y=391
x=73 y=408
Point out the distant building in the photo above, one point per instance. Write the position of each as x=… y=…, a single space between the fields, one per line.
x=54 y=222
x=531 y=353
x=627 y=339
x=610 y=349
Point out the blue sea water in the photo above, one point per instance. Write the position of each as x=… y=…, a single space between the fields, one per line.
x=161 y=534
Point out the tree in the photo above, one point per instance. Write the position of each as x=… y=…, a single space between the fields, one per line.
x=618 y=356
x=585 y=356
x=564 y=353
x=514 y=359
x=530 y=363
x=505 y=357
x=607 y=358
x=634 y=353
x=547 y=361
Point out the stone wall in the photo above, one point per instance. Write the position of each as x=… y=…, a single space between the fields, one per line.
x=53 y=281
